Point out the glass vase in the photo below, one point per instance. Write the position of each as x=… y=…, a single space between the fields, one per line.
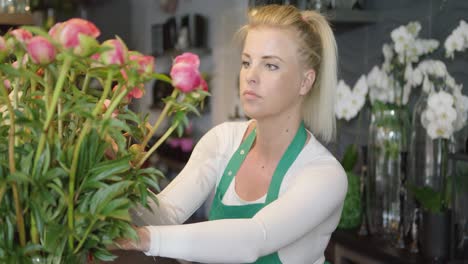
x=388 y=140
x=429 y=161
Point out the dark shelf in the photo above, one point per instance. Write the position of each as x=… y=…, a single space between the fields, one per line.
x=352 y=16
x=375 y=248
x=16 y=19
x=459 y=156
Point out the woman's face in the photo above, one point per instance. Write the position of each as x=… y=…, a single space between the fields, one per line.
x=271 y=76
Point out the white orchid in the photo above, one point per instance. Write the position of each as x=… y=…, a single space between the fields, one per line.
x=440 y=99
x=440 y=130
x=441 y=116
x=457 y=40
x=350 y=102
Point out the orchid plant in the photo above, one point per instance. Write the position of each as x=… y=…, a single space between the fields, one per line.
x=392 y=82
x=447 y=107
x=72 y=157
x=349 y=103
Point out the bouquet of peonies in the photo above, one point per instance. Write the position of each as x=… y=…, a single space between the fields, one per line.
x=72 y=156
x=392 y=82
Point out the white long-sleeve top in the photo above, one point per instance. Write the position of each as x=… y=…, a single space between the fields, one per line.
x=298 y=224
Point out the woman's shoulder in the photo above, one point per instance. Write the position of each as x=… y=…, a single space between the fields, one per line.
x=317 y=155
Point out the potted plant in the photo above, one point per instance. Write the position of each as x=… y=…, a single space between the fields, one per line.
x=72 y=154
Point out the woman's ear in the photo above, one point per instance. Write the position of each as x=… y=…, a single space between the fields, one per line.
x=307 y=82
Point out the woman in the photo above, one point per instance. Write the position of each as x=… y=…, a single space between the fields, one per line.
x=279 y=192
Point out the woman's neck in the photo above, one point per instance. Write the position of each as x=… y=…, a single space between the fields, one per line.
x=275 y=134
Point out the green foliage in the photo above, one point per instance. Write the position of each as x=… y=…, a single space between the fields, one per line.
x=351 y=215
x=75 y=176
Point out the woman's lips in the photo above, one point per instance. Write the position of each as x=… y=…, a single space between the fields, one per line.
x=250 y=95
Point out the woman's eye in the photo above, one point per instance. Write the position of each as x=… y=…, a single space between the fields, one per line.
x=245 y=64
x=271 y=67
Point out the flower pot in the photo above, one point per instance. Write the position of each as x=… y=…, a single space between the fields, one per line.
x=435 y=236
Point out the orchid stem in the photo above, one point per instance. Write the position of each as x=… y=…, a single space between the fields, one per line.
x=160 y=119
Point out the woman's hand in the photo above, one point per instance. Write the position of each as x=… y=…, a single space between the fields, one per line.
x=142 y=244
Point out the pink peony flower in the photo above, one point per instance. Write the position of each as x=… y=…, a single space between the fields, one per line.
x=185 y=77
x=67 y=33
x=204 y=85
x=145 y=63
x=136 y=92
x=188 y=58
x=118 y=53
x=41 y=50
x=21 y=35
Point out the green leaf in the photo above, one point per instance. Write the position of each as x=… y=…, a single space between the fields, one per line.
x=350 y=157
x=104 y=255
x=19 y=177
x=103 y=196
x=429 y=198
x=162 y=77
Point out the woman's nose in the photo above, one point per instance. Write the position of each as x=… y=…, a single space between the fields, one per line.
x=251 y=75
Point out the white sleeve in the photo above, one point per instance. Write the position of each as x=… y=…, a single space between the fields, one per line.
x=187 y=192
x=314 y=195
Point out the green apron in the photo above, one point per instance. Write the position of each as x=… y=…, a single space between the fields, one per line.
x=221 y=211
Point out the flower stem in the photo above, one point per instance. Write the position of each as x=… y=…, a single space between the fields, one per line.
x=157 y=144
x=86 y=83
x=115 y=102
x=71 y=185
x=105 y=93
x=12 y=165
x=83 y=239
x=160 y=119
x=50 y=112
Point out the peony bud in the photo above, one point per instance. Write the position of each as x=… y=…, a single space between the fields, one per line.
x=41 y=50
x=88 y=45
x=3 y=49
x=117 y=54
x=188 y=58
x=21 y=35
x=204 y=85
x=68 y=32
x=145 y=63
x=185 y=77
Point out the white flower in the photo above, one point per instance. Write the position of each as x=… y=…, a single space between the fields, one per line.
x=428 y=86
x=387 y=52
x=343 y=90
x=446 y=113
x=440 y=100
x=406 y=93
x=344 y=110
x=457 y=40
x=439 y=130
x=414 y=28
x=361 y=87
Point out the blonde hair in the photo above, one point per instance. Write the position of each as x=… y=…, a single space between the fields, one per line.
x=318 y=51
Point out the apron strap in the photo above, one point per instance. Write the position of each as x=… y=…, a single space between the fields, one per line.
x=286 y=161
x=234 y=164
